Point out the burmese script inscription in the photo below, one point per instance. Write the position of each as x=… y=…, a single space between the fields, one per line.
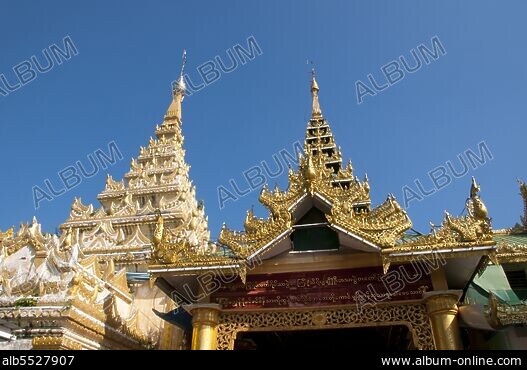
x=322 y=288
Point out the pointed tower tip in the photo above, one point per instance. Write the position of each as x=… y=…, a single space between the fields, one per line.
x=178 y=91
x=314 y=84
x=179 y=86
x=316 y=111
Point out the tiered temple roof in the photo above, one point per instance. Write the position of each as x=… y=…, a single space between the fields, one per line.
x=157 y=184
x=64 y=292
x=72 y=278
x=322 y=182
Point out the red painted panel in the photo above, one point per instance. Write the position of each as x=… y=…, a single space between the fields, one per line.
x=323 y=288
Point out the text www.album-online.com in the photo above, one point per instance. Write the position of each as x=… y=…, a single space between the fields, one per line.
x=461 y=361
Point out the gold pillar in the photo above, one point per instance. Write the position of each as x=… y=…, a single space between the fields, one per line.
x=205 y=319
x=442 y=310
x=165 y=339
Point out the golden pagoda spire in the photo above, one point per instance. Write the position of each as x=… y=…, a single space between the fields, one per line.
x=178 y=91
x=316 y=112
x=319 y=139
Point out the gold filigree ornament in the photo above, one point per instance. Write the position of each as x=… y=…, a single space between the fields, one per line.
x=413 y=316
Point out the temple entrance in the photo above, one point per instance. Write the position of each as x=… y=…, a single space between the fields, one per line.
x=396 y=337
x=371 y=326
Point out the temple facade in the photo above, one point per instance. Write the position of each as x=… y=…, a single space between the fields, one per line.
x=326 y=267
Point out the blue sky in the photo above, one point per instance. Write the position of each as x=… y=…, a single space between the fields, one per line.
x=118 y=88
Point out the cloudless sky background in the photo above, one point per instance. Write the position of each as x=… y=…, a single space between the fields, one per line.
x=118 y=88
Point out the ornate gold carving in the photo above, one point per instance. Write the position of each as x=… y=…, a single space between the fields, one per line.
x=316 y=178
x=320 y=174
x=258 y=233
x=173 y=247
x=54 y=343
x=502 y=314
x=319 y=318
x=163 y=251
x=455 y=237
x=413 y=316
x=511 y=252
x=512 y=315
x=383 y=226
